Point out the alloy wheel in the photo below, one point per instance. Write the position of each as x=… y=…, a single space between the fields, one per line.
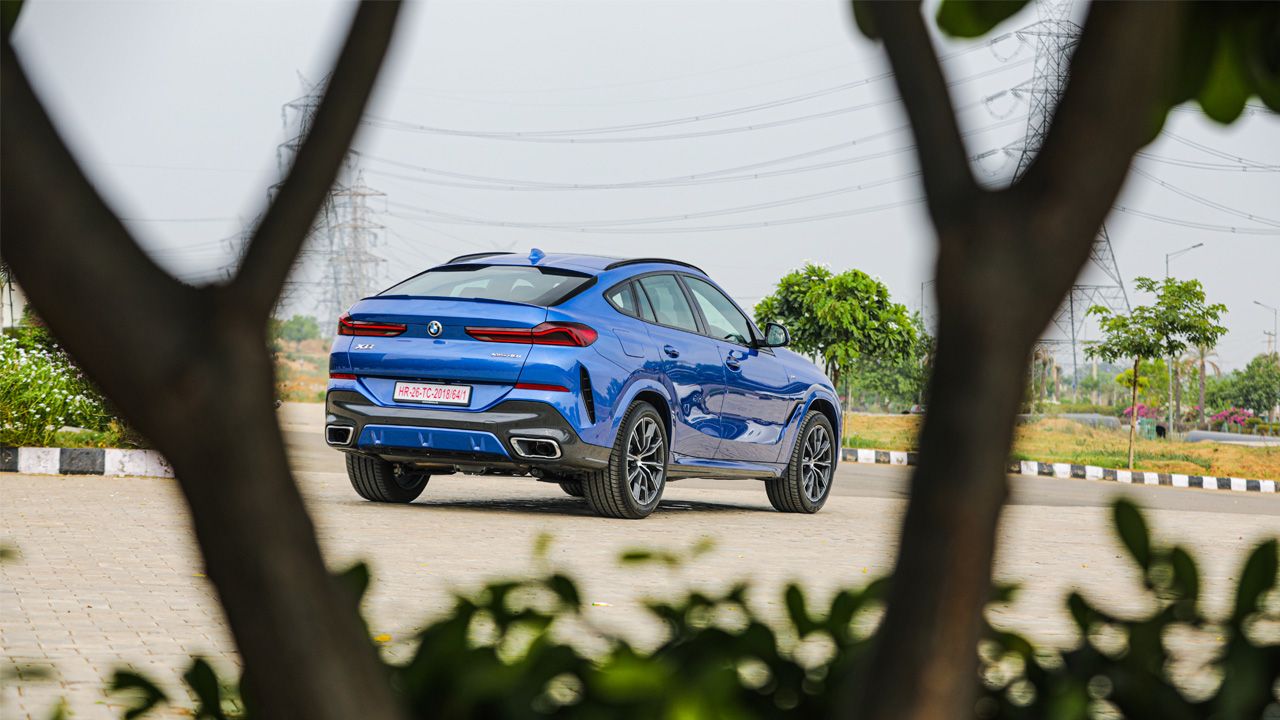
x=815 y=463
x=646 y=460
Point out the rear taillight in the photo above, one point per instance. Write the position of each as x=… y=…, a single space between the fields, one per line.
x=341 y=376
x=347 y=326
x=548 y=333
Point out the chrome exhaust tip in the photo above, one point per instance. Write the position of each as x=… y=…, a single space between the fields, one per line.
x=338 y=434
x=536 y=448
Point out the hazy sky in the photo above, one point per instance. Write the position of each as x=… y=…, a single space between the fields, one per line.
x=174 y=110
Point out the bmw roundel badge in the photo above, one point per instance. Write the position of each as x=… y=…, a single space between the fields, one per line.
x=434 y=328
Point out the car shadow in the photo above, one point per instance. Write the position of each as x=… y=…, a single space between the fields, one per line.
x=562 y=506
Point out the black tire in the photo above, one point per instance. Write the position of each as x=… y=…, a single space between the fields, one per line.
x=380 y=481
x=609 y=492
x=572 y=487
x=806 y=484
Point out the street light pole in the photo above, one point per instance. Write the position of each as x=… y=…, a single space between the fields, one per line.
x=1169 y=363
x=1275 y=338
x=1275 y=321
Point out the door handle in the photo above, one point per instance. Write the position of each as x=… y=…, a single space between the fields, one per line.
x=670 y=351
x=733 y=363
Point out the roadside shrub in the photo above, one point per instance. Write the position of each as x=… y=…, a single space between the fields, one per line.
x=498 y=654
x=41 y=391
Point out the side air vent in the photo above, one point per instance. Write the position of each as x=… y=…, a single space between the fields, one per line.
x=588 y=396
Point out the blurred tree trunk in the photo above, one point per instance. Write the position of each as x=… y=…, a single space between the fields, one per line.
x=189 y=368
x=1006 y=259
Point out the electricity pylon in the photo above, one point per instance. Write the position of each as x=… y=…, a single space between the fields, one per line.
x=1055 y=37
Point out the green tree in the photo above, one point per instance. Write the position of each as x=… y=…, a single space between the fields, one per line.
x=839 y=318
x=296 y=329
x=1179 y=319
x=886 y=382
x=1256 y=387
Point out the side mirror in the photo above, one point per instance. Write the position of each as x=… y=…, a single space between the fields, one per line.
x=776 y=335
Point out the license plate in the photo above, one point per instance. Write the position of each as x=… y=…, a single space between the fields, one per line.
x=433 y=393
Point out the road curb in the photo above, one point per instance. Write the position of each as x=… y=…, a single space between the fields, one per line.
x=1083 y=472
x=84 y=461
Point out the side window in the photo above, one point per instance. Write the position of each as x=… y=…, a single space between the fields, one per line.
x=724 y=321
x=668 y=301
x=642 y=299
x=622 y=299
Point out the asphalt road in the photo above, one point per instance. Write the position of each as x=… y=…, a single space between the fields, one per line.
x=306 y=446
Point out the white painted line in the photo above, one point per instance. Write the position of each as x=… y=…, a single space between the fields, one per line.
x=1181 y=481
x=1030 y=468
x=1124 y=476
x=897 y=458
x=866 y=456
x=1151 y=478
x=1062 y=470
x=1238 y=484
x=1092 y=472
x=1267 y=486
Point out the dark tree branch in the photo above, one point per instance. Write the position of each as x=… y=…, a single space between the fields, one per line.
x=285 y=227
x=57 y=228
x=1006 y=259
x=189 y=368
x=948 y=181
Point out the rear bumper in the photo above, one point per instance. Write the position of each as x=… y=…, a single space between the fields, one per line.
x=479 y=440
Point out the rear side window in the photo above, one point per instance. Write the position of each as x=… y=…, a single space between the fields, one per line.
x=668 y=301
x=529 y=285
x=622 y=298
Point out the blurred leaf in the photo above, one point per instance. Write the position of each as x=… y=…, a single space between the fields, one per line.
x=863 y=19
x=203 y=681
x=974 y=18
x=62 y=712
x=147 y=693
x=797 y=612
x=1226 y=88
x=1260 y=52
x=1258 y=577
x=704 y=545
x=355 y=580
x=1186 y=579
x=542 y=545
x=1132 y=529
x=565 y=589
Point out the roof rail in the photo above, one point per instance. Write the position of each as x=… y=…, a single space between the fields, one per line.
x=476 y=256
x=638 y=261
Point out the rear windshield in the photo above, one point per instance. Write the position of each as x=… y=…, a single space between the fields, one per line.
x=529 y=285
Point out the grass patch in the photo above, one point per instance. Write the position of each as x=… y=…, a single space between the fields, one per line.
x=1066 y=441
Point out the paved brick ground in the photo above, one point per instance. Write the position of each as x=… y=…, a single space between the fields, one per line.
x=108 y=575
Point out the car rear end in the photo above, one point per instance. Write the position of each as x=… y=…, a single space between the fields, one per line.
x=469 y=365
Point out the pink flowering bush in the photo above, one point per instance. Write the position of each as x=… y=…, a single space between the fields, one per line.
x=1232 y=416
x=1144 y=411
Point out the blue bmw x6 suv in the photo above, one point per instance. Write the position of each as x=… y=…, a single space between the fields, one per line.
x=610 y=377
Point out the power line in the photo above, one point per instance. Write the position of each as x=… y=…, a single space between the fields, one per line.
x=711 y=213
x=1212 y=151
x=581 y=135
x=1192 y=224
x=704 y=178
x=1203 y=200
x=467 y=220
x=1237 y=167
